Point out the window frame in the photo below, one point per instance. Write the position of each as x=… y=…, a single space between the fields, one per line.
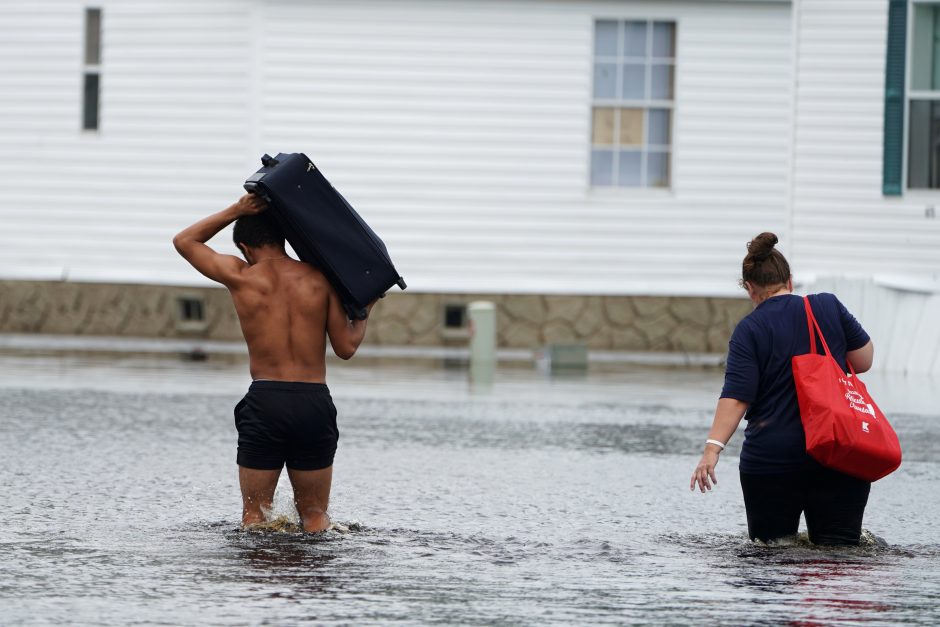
x=646 y=106
x=91 y=69
x=909 y=95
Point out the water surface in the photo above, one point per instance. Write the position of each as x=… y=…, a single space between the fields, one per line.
x=544 y=501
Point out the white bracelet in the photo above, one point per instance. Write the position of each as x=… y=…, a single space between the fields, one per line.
x=716 y=443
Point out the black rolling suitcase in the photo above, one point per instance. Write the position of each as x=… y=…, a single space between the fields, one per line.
x=325 y=231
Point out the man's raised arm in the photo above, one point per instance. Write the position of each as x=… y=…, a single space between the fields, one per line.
x=191 y=241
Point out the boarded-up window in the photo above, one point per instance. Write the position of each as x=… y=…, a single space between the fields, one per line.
x=923 y=145
x=633 y=98
x=91 y=85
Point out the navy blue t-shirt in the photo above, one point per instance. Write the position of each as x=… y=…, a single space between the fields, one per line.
x=759 y=373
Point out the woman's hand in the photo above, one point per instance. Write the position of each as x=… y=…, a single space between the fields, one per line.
x=704 y=474
x=728 y=415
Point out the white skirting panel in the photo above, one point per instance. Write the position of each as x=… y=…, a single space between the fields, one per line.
x=899 y=314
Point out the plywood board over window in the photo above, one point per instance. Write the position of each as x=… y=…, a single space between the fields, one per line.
x=91 y=86
x=923 y=145
x=633 y=97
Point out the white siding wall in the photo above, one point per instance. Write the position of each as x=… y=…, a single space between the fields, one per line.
x=842 y=222
x=459 y=129
x=171 y=146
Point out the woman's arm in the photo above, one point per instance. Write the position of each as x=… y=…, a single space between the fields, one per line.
x=728 y=416
x=861 y=358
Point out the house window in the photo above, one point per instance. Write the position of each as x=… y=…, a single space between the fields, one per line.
x=632 y=107
x=92 y=69
x=923 y=146
x=191 y=309
x=191 y=314
x=455 y=316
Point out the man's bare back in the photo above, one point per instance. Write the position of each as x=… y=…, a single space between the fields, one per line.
x=286 y=309
x=283 y=305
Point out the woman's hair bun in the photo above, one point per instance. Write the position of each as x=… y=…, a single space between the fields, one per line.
x=761 y=246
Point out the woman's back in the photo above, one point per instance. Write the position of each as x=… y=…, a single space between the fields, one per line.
x=759 y=373
x=779 y=481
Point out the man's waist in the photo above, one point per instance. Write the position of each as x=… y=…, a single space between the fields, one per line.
x=275 y=384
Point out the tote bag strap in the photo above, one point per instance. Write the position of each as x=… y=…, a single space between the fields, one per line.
x=810 y=319
x=812 y=324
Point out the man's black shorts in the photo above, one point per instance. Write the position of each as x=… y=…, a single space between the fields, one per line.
x=288 y=422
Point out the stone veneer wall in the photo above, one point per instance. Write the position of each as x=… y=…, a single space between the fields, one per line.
x=628 y=323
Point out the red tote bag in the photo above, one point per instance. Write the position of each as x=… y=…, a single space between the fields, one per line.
x=844 y=428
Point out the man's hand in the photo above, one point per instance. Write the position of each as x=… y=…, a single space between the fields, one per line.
x=249 y=205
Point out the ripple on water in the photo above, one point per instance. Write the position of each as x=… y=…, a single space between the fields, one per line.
x=531 y=508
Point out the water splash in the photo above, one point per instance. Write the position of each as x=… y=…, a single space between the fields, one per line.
x=283 y=517
x=286 y=524
x=278 y=524
x=867 y=540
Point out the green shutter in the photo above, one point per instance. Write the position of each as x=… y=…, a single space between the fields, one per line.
x=894 y=99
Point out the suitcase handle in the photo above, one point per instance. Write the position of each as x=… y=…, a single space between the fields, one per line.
x=355 y=313
x=252 y=187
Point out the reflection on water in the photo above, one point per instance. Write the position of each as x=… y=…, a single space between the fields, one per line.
x=294 y=563
x=545 y=501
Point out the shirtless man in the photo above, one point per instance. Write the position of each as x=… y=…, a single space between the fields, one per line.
x=286 y=309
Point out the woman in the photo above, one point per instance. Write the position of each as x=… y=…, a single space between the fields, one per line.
x=779 y=480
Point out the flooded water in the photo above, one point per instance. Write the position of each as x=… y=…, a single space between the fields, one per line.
x=544 y=501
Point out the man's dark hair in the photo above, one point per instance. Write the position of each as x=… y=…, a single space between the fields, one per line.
x=257 y=230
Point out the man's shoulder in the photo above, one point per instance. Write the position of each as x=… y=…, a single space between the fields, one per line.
x=304 y=271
